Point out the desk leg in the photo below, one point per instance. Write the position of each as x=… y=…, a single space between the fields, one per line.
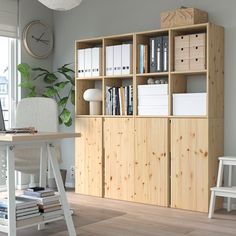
x=11 y=191
x=61 y=189
x=42 y=175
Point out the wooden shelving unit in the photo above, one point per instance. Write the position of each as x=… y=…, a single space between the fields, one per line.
x=132 y=157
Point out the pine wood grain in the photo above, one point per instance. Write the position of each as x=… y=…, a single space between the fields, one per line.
x=88 y=160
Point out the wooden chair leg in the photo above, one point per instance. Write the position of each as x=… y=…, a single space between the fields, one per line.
x=229 y=185
x=220 y=174
x=212 y=205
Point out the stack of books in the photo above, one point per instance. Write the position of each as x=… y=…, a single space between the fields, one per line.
x=48 y=202
x=119 y=100
x=27 y=212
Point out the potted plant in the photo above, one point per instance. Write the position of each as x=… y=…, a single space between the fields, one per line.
x=57 y=84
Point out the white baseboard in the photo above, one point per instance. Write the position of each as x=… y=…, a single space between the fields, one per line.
x=233 y=206
x=70 y=185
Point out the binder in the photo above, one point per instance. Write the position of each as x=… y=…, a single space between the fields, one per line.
x=88 y=62
x=153 y=55
x=159 y=54
x=117 y=59
x=80 y=55
x=165 y=43
x=96 y=61
x=109 y=60
x=127 y=59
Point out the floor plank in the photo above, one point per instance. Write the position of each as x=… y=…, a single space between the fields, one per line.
x=105 y=217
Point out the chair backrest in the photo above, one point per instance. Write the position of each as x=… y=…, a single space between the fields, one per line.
x=39 y=112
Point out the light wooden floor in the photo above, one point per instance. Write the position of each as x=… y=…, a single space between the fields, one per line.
x=104 y=217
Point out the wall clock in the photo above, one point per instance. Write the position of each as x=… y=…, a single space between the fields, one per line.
x=38 y=39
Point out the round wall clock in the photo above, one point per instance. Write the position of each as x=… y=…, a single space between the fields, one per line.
x=38 y=39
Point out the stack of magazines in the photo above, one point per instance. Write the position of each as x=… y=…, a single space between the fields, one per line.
x=48 y=202
x=27 y=212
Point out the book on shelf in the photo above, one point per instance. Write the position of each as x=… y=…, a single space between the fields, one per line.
x=29 y=212
x=21 y=223
x=53 y=214
x=40 y=193
x=27 y=216
x=25 y=209
x=143 y=58
x=35 y=189
x=42 y=200
x=29 y=221
x=119 y=100
x=50 y=209
x=21 y=203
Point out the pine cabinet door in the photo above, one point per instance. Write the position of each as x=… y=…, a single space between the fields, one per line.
x=88 y=158
x=189 y=164
x=119 y=158
x=151 y=161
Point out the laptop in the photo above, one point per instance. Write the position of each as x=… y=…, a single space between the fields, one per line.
x=13 y=130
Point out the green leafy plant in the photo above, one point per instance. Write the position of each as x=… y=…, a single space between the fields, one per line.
x=57 y=84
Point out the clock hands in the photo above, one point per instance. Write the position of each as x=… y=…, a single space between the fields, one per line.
x=44 y=41
x=41 y=36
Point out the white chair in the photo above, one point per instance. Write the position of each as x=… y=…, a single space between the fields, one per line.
x=219 y=190
x=41 y=113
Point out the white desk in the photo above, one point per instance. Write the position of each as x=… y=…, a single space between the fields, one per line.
x=10 y=141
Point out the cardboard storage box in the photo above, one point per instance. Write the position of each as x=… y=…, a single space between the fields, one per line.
x=153 y=110
x=197 y=40
x=198 y=52
x=182 y=65
x=183 y=16
x=182 y=41
x=197 y=64
x=189 y=104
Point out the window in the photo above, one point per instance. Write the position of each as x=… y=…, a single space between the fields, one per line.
x=3 y=86
x=8 y=80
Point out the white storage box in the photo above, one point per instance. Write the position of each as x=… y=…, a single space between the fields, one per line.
x=153 y=100
x=153 y=110
x=153 y=89
x=189 y=104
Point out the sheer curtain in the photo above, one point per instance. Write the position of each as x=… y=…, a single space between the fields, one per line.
x=9 y=27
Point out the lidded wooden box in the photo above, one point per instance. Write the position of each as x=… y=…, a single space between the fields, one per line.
x=183 y=16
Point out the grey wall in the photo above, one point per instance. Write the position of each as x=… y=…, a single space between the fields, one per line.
x=107 y=17
x=33 y=10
